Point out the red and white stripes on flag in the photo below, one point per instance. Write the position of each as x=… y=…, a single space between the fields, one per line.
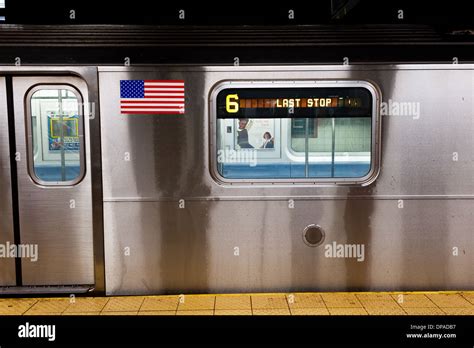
x=152 y=96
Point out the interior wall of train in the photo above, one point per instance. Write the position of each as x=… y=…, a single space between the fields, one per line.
x=206 y=179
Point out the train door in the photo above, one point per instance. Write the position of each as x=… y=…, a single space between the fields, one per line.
x=54 y=241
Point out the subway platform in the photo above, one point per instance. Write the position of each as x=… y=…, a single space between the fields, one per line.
x=314 y=303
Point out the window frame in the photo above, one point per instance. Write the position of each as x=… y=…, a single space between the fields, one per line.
x=29 y=134
x=375 y=151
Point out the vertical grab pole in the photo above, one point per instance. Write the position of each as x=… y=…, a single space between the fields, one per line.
x=333 y=145
x=61 y=135
x=306 y=149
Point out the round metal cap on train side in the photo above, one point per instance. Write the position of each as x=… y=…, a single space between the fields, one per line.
x=313 y=235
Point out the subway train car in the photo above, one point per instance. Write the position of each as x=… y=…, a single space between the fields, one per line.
x=160 y=174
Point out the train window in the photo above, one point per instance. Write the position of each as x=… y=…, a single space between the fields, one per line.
x=298 y=132
x=56 y=135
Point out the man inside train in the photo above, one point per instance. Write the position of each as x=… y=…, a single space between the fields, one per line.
x=243 y=135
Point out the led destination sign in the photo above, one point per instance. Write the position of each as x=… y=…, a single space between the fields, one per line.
x=294 y=102
x=234 y=103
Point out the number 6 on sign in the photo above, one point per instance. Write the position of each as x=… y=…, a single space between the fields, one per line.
x=231 y=104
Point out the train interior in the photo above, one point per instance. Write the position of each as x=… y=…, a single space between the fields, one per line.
x=296 y=148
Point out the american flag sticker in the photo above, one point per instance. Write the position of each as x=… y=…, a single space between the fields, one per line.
x=156 y=97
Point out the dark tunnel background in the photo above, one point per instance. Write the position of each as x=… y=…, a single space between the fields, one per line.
x=443 y=14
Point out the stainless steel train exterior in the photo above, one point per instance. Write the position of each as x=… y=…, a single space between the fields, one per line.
x=149 y=215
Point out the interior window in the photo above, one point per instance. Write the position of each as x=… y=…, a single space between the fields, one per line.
x=56 y=136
